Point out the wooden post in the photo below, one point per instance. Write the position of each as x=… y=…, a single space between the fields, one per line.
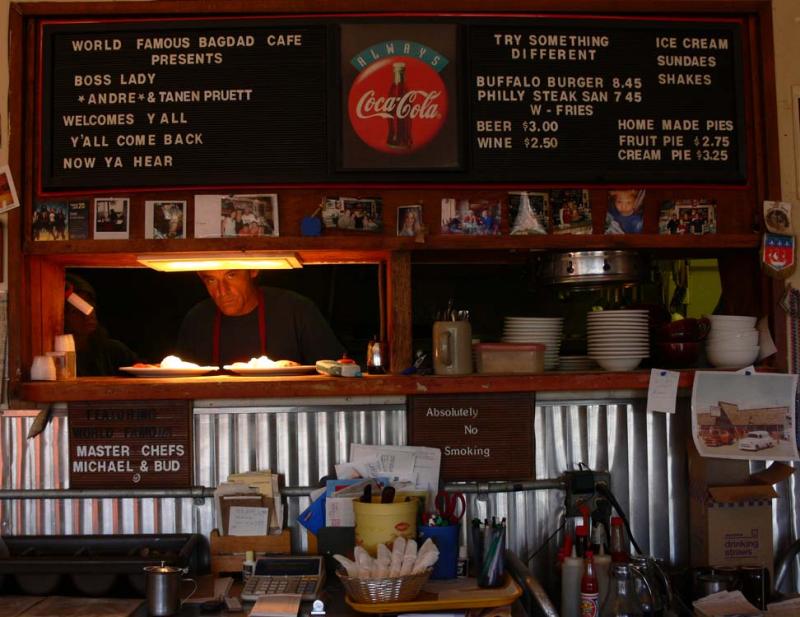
x=399 y=310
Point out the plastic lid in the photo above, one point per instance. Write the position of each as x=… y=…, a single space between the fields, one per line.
x=249 y=556
x=616 y=520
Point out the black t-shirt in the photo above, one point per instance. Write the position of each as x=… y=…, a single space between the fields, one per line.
x=295 y=329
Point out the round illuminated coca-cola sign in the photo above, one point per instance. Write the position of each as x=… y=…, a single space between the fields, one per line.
x=397 y=104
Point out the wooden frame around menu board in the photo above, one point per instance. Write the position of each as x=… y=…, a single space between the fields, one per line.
x=209 y=102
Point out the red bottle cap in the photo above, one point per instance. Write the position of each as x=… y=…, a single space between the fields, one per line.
x=588 y=555
x=582 y=530
x=616 y=520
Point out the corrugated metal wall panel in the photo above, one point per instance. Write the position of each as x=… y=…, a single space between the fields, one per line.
x=645 y=453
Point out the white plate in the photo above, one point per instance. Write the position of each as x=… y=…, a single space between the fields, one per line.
x=610 y=356
x=590 y=319
x=620 y=312
x=302 y=369
x=534 y=319
x=157 y=371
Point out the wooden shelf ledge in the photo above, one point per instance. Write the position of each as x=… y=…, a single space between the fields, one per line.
x=222 y=387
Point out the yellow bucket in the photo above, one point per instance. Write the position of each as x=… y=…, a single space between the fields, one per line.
x=381 y=523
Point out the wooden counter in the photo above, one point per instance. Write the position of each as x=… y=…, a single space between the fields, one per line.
x=221 y=387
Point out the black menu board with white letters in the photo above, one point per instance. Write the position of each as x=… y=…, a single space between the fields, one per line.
x=254 y=101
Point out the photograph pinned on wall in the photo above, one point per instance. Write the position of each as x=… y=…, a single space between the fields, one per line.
x=353 y=214
x=528 y=212
x=688 y=217
x=625 y=213
x=78 y=220
x=572 y=212
x=480 y=218
x=111 y=215
x=165 y=220
x=744 y=415
x=50 y=221
x=409 y=220
x=227 y=216
x=8 y=194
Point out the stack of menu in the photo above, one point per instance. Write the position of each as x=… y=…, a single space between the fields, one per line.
x=249 y=503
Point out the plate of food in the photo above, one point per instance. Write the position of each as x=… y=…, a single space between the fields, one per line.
x=265 y=367
x=171 y=366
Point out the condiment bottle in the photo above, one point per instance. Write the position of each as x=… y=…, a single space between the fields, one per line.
x=571 y=572
x=248 y=565
x=582 y=540
x=590 y=592
x=619 y=544
x=602 y=563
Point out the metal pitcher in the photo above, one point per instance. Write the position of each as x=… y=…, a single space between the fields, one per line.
x=163 y=589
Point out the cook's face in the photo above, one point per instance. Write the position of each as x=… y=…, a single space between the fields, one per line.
x=233 y=291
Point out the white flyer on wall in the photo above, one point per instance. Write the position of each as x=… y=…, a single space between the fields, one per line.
x=744 y=415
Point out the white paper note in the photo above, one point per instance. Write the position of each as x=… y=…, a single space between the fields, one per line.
x=663 y=390
x=247 y=521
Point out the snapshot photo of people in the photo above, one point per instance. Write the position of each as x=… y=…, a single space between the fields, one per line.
x=354 y=214
x=572 y=213
x=528 y=212
x=688 y=216
x=227 y=216
x=111 y=218
x=625 y=213
x=51 y=221
x=8 y=194
x=165 y=220
x=409 y=220
x=480 y=218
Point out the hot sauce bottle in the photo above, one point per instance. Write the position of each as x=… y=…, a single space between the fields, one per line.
x=590 y=590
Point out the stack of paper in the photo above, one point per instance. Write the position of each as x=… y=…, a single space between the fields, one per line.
x=415 y=464
x=267 y=484
x=725 y=603
x=249 y=504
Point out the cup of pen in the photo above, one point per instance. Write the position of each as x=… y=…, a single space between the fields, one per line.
x=443 y=527
x=489 y=548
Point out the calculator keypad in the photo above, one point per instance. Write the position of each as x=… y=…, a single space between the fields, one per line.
x=265 y=585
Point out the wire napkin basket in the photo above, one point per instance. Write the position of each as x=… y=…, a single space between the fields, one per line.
x=379 y=590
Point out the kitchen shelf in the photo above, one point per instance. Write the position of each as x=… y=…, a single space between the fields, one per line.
x=356 y=248
x=221 y=387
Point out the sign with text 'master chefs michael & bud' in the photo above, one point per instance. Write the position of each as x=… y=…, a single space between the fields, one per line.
x=481 y=436
x=130 y=444
x=399 y=96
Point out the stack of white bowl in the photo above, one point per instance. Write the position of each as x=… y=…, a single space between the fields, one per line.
x=618 y=340
x=544 y=330
x=732 y=341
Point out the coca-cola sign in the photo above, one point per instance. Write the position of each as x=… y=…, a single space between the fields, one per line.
x=398 y=103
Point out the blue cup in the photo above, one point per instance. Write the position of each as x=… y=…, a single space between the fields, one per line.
x=446 y=540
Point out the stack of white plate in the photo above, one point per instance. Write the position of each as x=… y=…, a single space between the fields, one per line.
x=618 y=340
x=732 y=341
x=544 y=330
x=576 y=363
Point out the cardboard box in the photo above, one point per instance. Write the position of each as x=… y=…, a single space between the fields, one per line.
x=731 y=525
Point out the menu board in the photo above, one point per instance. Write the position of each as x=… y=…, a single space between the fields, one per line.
x=130 y=444
x=607 y=101
x=194 y=102
x=481 y=436
x=250 y=101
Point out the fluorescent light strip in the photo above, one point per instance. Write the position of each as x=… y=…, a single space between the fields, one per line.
x=230 y=260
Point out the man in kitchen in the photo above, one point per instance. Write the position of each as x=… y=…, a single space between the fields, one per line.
x=242 y=320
